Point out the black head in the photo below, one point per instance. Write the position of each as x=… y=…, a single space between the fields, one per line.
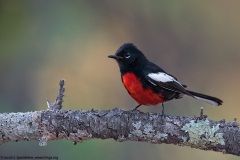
x=128 y=55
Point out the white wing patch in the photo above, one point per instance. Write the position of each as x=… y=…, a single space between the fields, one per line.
x=162 y=77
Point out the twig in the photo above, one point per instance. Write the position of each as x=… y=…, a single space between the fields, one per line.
x=57 y=105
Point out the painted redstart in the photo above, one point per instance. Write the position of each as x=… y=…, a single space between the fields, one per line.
x=147 y=83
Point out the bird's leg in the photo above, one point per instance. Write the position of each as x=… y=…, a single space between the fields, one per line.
x=163 y=114
x=135 y=108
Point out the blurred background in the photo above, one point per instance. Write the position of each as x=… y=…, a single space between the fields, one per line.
x=44 y=41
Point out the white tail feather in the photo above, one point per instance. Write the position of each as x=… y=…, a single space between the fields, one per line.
x=213 y=103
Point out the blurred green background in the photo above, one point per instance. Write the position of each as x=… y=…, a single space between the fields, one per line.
x=44 y=41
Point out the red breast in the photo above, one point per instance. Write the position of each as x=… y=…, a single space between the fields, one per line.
x=138 y=93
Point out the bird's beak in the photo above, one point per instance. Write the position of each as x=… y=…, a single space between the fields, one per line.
x=114 y=57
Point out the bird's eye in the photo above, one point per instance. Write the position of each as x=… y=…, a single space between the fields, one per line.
x=127 y=55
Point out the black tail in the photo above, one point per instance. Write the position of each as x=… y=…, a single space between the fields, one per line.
x=208 y=99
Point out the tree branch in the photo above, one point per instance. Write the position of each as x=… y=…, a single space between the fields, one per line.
x=120 y=125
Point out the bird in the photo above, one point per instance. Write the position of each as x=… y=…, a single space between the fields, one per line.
x=148 y=84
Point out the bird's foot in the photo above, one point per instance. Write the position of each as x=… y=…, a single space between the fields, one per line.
x=136 y=108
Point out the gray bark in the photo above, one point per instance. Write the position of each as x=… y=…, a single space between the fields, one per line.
x=80 y=125
x=121 y=126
